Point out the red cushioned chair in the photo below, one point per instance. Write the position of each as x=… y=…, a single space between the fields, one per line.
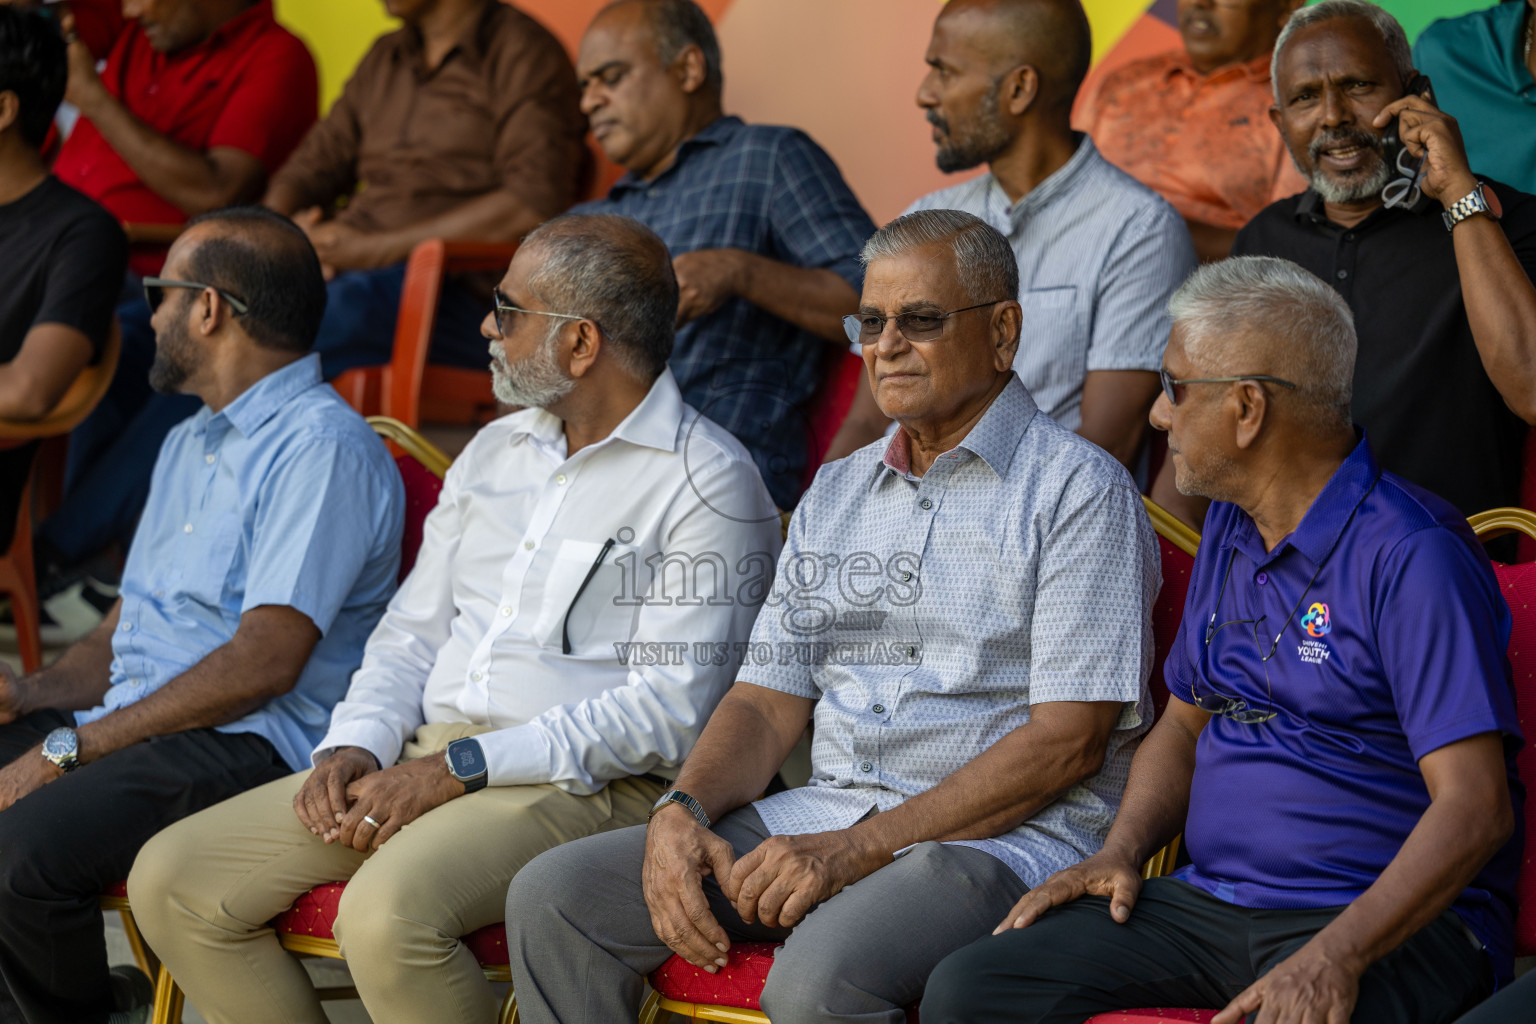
x=732 y=995
x=1518 y=582
x=306 y=927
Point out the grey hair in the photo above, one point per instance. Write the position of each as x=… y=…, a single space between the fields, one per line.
x=616 y=271
x=1262 y=308
x=676 y=25
x=1392 y=33
x=984 y=261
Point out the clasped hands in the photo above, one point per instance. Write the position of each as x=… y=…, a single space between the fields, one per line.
x=1314 y=985
x=777 y=883
x=349 y=788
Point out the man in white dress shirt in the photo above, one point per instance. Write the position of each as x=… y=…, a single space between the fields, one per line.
x=587 y=580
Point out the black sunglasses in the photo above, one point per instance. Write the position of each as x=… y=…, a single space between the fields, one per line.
x=155 y=288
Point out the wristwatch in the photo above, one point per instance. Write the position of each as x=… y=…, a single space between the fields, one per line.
x=677 y=796
x=1479 y=200
x=466 y=762
x=62 y=748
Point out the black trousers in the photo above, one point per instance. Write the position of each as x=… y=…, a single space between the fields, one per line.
x=62 y=845
x=1184 y=948
x=1513 y=1004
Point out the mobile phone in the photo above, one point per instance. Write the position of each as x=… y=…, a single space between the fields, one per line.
x=1391 y=144
x=1408 y=170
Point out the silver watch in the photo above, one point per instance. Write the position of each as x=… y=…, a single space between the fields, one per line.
x=62 y=748
x=1479 y=200
x=677 y=796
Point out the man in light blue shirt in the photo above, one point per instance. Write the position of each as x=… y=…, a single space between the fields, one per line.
x=267 y=552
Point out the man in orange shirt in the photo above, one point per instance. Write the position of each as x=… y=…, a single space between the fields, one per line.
x=1193 y=124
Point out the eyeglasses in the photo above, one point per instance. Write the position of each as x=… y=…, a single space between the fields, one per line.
x=154 y=293
x=565 y=626
x=1169 y=383
x=1232 y=707
x=504 y=309
x=866 y=328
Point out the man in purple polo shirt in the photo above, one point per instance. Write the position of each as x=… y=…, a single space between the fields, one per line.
x=1340 y=752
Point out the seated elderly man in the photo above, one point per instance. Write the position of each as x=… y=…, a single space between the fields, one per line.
x=268 y=551
x=552 y=638
x=965 y=613
x=764 y=232
x=1340 y=752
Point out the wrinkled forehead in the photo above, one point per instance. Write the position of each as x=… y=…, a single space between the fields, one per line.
x=1346 y=47
x=925 y=276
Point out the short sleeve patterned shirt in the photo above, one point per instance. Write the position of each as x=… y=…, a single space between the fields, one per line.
x=927 y=615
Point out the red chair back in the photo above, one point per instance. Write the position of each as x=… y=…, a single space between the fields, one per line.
x=829 y=408
x=1518 y=584
x=1167 y=613
x=422 y=487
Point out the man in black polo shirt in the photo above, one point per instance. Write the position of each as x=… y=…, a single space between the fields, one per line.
x=62 y=257
x=1445 y=381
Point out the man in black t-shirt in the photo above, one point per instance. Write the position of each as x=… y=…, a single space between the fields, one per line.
x=62 y=257
x=1445 y=309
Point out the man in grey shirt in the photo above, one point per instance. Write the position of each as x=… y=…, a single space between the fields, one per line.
x=965 y=613
x=1099 y=253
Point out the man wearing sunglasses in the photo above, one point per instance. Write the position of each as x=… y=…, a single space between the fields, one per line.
x=1339 y=747
x=267 y=552
x=975 y=666
x=591 y=565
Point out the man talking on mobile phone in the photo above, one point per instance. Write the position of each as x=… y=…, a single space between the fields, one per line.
x=1440 y=286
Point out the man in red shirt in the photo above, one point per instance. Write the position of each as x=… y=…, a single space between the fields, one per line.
x=197 y=106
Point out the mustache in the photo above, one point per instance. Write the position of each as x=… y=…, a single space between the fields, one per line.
x=937 y=120
x=1338 y=138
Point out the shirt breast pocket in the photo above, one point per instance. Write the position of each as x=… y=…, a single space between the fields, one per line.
x=210 y=555
x=1054 y=331
x=595 y=612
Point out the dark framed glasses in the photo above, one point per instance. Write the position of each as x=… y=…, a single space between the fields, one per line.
x=505 y=310
x=155 y=288
x=866 y=328
x=1170 y=384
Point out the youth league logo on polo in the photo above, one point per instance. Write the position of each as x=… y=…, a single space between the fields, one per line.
x=1318 y=623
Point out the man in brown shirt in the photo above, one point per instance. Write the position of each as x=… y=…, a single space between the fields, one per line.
x=464 y=123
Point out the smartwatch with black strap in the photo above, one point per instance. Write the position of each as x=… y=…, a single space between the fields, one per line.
x=466 y=762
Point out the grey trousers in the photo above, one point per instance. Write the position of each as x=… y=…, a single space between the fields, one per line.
x=582 y=944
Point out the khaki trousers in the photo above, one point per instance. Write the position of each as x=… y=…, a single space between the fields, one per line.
x=204 y=889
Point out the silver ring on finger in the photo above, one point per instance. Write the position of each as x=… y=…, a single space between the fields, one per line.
x=369 y=820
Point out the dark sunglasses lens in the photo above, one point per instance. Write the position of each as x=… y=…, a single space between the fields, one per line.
x=1168 y=391
x=154 y=295
x=917 y=327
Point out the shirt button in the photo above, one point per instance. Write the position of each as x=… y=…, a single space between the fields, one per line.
x=159 y=593
x=1262 y=578
x=866 y=767
x=878 y=709
x=906 y=577
x=506 y=611
x=911 y=652
x=187 y=528
x=1349 y=236
x=1341 y=275
x=926 y=503
x=210 y=459
x=477 y=676
x=560 y=479
x=528 y=544
x=127 y=627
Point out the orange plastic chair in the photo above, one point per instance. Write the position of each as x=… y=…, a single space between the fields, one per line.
x=732 y=995
x=1518 y=582
x=18 y=577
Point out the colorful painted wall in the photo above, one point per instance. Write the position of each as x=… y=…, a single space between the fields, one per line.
x=843 y=70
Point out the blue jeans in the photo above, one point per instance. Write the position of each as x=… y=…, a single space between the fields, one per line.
x=112 y=454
